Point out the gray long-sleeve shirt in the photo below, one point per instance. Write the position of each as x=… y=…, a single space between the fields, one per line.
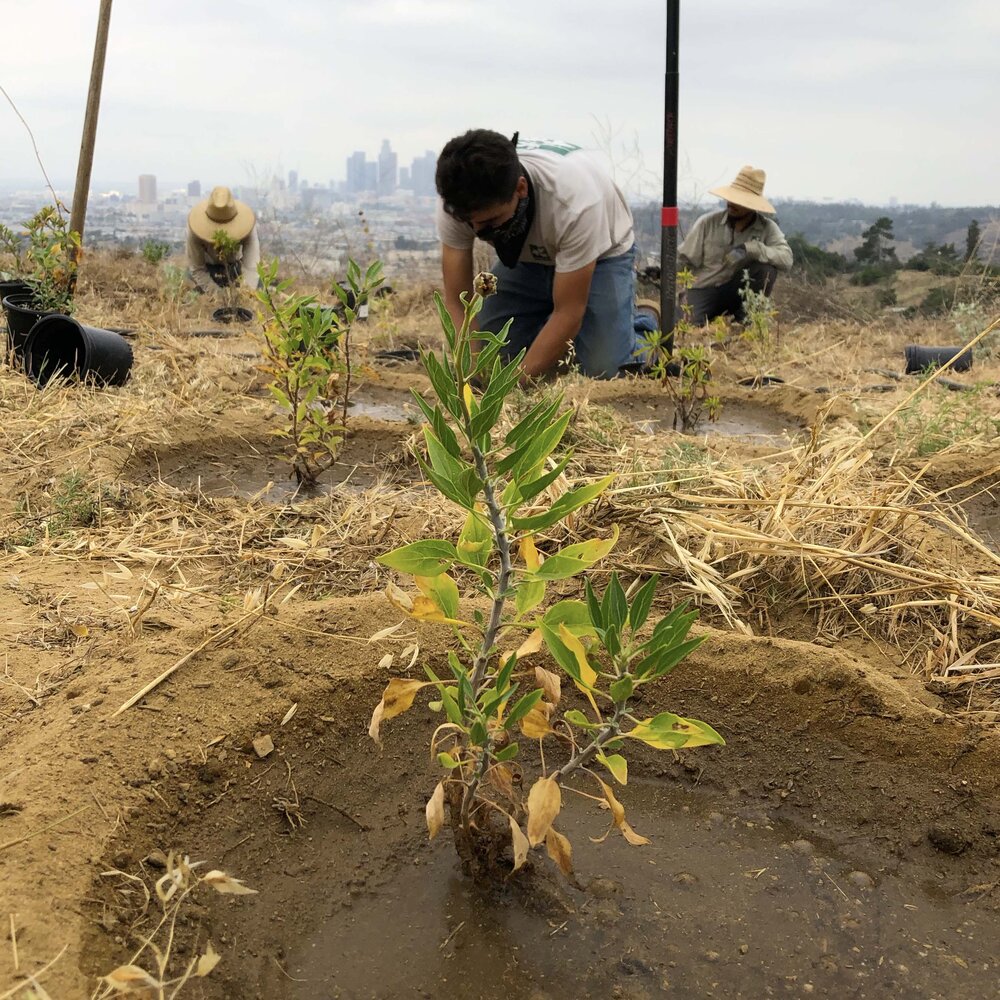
x=200 y=253
x=704 y=249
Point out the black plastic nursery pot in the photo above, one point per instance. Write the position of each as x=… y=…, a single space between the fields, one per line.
x=13 y=286
x=60 y=347
x=21 y=317
x=232 y=314
x=919 y=358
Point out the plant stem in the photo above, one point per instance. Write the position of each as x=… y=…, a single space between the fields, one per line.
x=605 y=734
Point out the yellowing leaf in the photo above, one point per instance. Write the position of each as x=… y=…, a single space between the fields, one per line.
x=672 y=732
x=226 y=884
x=399 y=598
x=587 y=673
x=435 y=810
x=128 y=978
x=618 y=816
x=560 y=851
x=442 y=590
x=531 y=645
x=519 y=843
x=207 y=962
x=544 y=803
x=617 y=765
x=529 y=553
x=550 y=684
x=468 y=397
x=80 y=631
x=396 y=699
x=635 y=839
x=535 y=725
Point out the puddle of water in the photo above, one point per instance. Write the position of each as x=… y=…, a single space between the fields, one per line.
x=725 y=907
x=740 y=420
x=395 y=411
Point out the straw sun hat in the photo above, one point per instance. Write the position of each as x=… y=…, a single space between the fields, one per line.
x=221 y=211
x=747 y=190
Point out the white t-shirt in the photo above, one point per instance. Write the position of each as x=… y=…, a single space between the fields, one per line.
x=580 y=215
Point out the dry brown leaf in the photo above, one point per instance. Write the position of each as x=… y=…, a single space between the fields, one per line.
x=207 y=962
x=129 y=978
x=385 y=662
x=618 y=816
x=519 y=843
x=635 y=839
x=226 y=884
x=544 y=803
x=559 y=850
x=435 y=810
x=550 y=683
x=289 y=715
x=384 y=633
x=530 y=645
x=373 y=726
x=80 y=631
x=399 y=598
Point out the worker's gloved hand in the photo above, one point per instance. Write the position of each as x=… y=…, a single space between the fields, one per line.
x=737 y=257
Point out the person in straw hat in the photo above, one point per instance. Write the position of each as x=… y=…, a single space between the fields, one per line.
x=725 y=246
x=222 y=244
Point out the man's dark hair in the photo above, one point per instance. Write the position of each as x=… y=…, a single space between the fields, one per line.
x=476 y=171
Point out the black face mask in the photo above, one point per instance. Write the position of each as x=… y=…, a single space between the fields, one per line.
x=508 y=238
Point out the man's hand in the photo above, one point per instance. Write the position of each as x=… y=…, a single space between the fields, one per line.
x=737 y=257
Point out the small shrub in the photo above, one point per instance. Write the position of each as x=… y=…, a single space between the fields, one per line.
x=307 y=354
x=488 y=697
x=153 y=251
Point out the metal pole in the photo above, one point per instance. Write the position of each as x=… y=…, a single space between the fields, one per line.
x=668 y=218
x=78 y=212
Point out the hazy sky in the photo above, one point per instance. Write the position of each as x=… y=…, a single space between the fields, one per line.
x=864 y=99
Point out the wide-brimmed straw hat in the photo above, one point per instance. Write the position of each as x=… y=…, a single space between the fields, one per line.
x=747 y=190
x=221 y=211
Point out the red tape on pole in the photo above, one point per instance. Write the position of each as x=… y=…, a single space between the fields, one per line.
x=668 y=217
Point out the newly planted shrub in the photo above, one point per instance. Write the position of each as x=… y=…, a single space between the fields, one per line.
x=500 y=807
x=682 y=361
x=759 y=316
x=307 y=356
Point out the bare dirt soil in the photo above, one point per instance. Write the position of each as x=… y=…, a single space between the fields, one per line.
x=844 y=843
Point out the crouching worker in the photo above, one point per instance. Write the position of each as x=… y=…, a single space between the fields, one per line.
x=729 y=247
x=564 y=237
x=222 y=244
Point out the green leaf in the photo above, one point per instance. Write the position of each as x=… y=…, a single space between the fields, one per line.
x=622 y=689
x=425 y=558
x=566 y=504
x=560 y=652
x=660 y=663
x=529 y=594
x=508 y=753
x=540 y=414
x=616 y=764
x=575 y=558
x=522 y=708
x=642 y=602
x=452 y=490
x=529 y=490
x=577 y=718
x=447 y=761
x=443 y=462
x=475 y=541
x=614 y=606
x=447 y=324
x=493 y=698
x=575 y=615
x=593 y=605
x=522 y=462
x=477 y=734
x=505 y=672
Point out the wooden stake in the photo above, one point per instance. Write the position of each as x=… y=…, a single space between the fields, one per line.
x=86 y=161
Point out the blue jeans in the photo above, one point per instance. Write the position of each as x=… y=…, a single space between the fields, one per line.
x=607 y=338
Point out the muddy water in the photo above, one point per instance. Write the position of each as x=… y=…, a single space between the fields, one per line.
x=719 y=905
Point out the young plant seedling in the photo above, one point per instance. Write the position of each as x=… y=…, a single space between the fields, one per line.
x=307 y=356
x=686 y=372
x=491 y=698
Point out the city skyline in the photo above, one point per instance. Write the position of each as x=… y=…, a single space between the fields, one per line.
x=835 y=100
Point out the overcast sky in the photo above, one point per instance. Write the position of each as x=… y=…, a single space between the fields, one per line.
x=866 y=99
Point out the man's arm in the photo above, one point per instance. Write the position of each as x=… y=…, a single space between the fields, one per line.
x=570 y=291
x=196 y=264
x=691 y=252
x=251 y=258
x=773 y=249
x=456 y=269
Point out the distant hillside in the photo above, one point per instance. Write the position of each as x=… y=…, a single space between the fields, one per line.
x=837 y=226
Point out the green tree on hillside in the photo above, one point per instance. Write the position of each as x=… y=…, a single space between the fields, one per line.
x=972 y=238
x=876 y=249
